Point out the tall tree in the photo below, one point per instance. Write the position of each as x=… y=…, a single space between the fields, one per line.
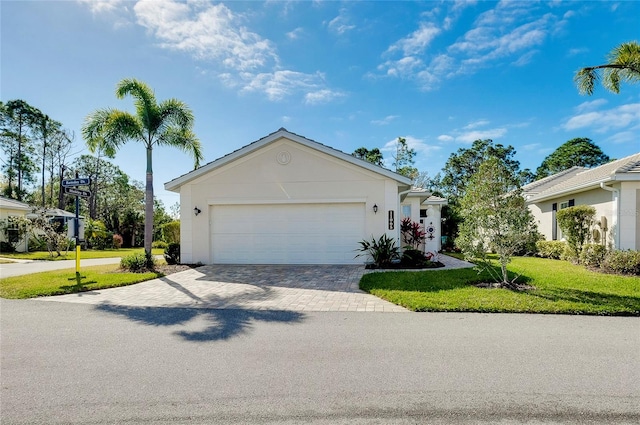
x=18 y=120
x=623 y=66
x=581 y=152
x=45 y=130
x=465 y=163
x=495 y=219
x=373 y=156
x=169 y=123
x=403 y=160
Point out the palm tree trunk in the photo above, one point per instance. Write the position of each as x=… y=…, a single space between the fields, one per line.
x=148 y=205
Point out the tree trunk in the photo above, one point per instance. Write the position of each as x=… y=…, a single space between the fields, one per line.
x=148 y=205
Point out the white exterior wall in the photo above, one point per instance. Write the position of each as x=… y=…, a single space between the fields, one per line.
x=5 y=213
x=258 y=178
x=602 y=200
x=629 y=215
x=434 y=216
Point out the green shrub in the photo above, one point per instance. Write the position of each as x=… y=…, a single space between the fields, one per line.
x=622 y=262
x=592 y=255
x=550 y=249
x=171 y=232
x=383 y=251
x=6 y=247
x=159 y=244
x=413 y=258
x=172 y=253
x=137 y=263
x=570 y=254
x=576 y=223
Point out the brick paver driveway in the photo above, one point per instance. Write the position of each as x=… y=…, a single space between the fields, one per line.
x=261 y=287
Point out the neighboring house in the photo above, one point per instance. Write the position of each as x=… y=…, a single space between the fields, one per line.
x=612 y=189
x=286 y=199
x=420 y=206
x=13 y=208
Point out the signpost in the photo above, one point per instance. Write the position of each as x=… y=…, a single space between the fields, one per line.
x=70 y=189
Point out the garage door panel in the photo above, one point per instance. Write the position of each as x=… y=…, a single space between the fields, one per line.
x=287 y=234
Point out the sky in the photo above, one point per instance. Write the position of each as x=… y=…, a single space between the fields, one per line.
x=346 y=74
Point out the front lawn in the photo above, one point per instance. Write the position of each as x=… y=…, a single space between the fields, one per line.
x=60 y=282
x=84 y=254
x=560 y=287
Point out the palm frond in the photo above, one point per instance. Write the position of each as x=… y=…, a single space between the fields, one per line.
x=144 y=99
x=183 y=139
x=108 y=129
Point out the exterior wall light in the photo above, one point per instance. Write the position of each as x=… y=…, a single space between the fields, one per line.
x=197 y=210
x=375 y=208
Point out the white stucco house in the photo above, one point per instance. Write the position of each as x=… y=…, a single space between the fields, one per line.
x=613 y=189
x=286 y=199
x=13 y=208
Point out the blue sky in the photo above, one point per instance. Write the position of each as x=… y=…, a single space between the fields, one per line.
x=346 y=74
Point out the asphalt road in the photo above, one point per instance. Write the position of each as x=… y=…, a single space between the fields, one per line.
x=76 y=363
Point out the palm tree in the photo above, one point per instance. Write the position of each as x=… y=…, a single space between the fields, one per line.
x=624 y=65
x=166 y=123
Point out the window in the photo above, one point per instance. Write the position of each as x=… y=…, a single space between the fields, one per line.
x=406 y=211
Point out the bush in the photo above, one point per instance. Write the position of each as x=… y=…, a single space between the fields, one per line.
x=576 y=223
x=172 y=253
x=117 y=241
x=171 y=232
x=622 y=262
x=592 y=255
x=137 y=263
x=383 y=251
x=413 y=258
x=570 y=254
x=6 y=247
x=159 y=244
x=551 y=249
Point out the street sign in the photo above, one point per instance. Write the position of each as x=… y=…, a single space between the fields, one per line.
x=76 y=182
x=77 y=192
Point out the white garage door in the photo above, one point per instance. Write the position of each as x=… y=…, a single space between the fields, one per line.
x=287 y=234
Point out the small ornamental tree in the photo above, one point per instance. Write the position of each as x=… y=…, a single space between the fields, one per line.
x=495 y=219
x=575 y=223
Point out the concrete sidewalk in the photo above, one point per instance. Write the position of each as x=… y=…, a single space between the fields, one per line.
x=22 y=267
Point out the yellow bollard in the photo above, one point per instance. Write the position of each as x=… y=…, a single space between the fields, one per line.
x=77 y=258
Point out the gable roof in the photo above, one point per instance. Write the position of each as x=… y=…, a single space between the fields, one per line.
x=175 y=184
x=550 y=181
x=624 y=169
x=12 y=204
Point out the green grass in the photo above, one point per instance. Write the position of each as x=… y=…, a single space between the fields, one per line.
x=71 y=255
x=64 y=281
x=560 y=287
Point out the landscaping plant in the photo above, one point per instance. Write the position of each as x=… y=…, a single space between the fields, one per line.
x=575 y=223
x=495 y=219
x=383 y=251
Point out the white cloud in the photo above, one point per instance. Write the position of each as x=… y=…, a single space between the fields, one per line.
x=590 y=105
x=322 y=96
x=280 y=84
x=103 y=6
x=340 y=24
x=445 y=138
x=602 y=121
x=472 y=136
x=417 y=41
x=624 y=137
x=513 y=32
x=475 y=124
x=295 y=34
x=207 y=31
x=240 y=57
x=419 y=145
x=385 y=121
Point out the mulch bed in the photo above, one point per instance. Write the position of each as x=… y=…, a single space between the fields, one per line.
x=400 y=266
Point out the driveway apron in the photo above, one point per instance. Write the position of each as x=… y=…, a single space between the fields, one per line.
x=255 y=287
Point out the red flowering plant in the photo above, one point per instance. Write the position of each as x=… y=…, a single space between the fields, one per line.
x=412 y=233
